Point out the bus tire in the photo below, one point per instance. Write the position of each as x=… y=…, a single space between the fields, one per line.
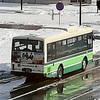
x=60 y=72
x=84 y=64
x=60 y=88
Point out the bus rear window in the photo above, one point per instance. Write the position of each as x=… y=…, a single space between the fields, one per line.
x=27 y=45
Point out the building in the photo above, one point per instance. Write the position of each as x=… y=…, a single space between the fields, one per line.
x=46 y=1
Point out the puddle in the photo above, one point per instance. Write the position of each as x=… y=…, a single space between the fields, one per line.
x=65 y=91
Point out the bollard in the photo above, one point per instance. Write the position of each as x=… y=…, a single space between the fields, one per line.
x=96 y=63
x=52 y=14
x=98 y=5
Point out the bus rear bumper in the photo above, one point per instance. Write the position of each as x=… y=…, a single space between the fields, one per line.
x=27 y=74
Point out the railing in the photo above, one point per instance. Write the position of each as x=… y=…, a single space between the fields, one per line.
x=96 y=61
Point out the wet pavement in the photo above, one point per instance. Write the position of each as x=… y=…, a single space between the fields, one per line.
x=85 y=86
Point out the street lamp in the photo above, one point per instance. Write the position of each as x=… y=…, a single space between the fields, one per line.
x=80 y=12
x=21 y=4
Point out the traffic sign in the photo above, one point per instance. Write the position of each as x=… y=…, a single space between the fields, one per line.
x=60 y=6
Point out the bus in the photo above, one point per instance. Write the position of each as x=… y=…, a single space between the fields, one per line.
x=52 y=51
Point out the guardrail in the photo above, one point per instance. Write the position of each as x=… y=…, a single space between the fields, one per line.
x=96 y=61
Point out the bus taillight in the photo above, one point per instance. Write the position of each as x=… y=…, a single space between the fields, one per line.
x=39 y=61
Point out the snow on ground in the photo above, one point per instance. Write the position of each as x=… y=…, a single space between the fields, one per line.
x=6 y=36
x=5 y=88
x=36 y=14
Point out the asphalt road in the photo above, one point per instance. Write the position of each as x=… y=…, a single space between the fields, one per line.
x=81 y=86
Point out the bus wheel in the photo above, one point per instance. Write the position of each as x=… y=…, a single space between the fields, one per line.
x=60 y=88
x=60 y=72
x=84 y=64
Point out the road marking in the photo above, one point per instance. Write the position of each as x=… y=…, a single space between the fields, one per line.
x=41 y=88
x=91 y=90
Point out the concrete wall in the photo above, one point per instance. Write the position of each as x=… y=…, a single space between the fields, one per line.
x=51 y=1
x=11 y=1
x=18 y=1
x=41 y=1
x=88 y=1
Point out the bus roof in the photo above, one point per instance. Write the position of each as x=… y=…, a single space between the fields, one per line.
x=51 y=34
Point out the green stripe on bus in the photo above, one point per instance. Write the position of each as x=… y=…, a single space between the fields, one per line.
x=68 y=62
x=70 y=56
x=68 y=69
x=72 y=60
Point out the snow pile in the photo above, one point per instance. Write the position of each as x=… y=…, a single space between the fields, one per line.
x=41 y=15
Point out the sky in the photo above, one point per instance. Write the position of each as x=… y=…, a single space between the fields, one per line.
x=37 y=14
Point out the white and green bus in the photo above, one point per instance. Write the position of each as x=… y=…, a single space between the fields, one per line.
x=52 y=52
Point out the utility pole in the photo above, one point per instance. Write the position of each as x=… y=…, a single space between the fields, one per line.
x=21 y=4
x=80 y=12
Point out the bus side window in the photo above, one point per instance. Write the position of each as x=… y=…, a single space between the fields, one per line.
x=58 y=49
x=64 y=49
x=72 y=45
x=82 y=42
x=90 y=40
x=53 y=51
x=49 y=50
